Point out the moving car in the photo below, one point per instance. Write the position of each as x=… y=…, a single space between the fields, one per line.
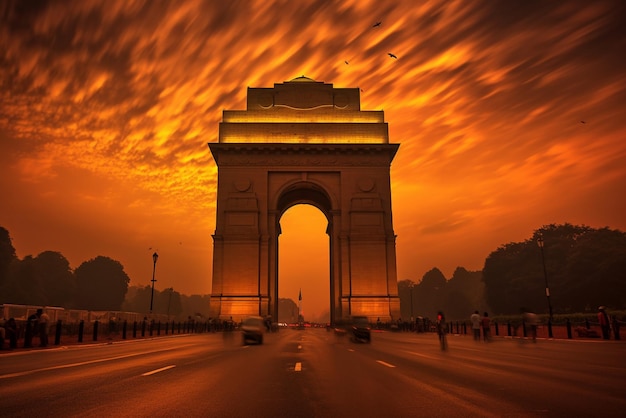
x=361 y=329
x=252 y=329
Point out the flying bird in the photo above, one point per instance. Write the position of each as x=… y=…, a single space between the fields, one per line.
x=346 y=62
x=377 y=24
x=392 y=56
x=583 y=122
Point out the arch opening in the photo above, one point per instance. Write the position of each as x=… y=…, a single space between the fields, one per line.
x=304 y=265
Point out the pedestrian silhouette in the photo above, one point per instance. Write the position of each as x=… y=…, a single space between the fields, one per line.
x=475 y=318
x=442 y=330
x=605 y=322
x=486 y=325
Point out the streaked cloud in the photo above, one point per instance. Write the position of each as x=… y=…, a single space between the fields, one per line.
x=510 y=116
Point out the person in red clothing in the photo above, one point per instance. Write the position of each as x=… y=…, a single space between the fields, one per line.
x=605 y=323
x=485 y=322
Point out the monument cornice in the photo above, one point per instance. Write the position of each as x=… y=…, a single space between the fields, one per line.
x=284 y=154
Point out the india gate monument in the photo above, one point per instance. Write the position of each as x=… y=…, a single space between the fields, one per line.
x=304 y=142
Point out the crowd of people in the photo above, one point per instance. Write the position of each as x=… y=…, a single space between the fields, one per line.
x=38 y=324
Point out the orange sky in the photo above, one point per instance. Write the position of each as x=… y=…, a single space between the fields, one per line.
x=106 y=109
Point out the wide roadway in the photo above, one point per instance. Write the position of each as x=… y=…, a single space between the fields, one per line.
x=314 y=373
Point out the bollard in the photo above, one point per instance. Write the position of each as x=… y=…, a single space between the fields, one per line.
x=179 y=327
x=508 y=328
x=464 y=328
x=159 y=328
x=81 y=330
x=495 y=323
x=124 y=329
x=143 y=328
x=167 y=327
x=524 y=328
x=550 y=328
x=134 y=329
x=151 y=327
x=587 y=323
x=569 y=328
x=57 y=334
x=95 y=330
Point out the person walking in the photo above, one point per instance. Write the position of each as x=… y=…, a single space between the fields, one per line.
x=441 y=330
x=475 y=318
x=605 y=323
x=485 y=322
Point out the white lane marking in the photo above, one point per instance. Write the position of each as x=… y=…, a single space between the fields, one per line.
x=384 y=363
x=422 y=355
x=83 y=363
x=162 y=369
x=298 y=367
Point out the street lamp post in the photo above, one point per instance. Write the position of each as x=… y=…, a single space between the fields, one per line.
x=540 y=243
x=155 y=257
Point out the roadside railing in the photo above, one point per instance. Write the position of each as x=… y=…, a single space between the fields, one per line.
x=567 y=330
x=27 y=335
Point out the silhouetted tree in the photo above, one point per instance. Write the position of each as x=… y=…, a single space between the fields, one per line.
x=7 y=255
x=465 y=293
x=406 y=291
x=167 y=302
x=429 y=293
x=287 y=310
x=56 y=278
x=193 y=304
x=137 y=299
x=101 y=284
x=585 y=267
x=23 y=285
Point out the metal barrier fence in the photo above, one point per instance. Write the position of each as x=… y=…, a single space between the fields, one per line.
x=84 y=331
x=569 y=330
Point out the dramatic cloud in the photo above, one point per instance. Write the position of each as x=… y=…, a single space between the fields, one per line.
x=509 y=115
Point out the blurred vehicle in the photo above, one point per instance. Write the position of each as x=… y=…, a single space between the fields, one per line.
x=357 y=327
x=361 y=329
x=252 y=329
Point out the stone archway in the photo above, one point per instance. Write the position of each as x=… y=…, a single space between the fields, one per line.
x=304 y=142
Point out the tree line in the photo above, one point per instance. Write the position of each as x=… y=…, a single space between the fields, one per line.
x=99 y=284
x=584 y=268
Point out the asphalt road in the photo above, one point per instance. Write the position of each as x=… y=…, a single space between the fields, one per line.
x=313 y=373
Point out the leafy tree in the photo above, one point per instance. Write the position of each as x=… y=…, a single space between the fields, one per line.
x=471 y=285
x=429 y=293
x=137 y=299
x=101 y=284
x=584 y=268
x=406 y=294
x=53 y=273
x=23 y=284
x=7 y=255
x=287 y=310
x=194 y=305
x=167 y=302
x=464 y=293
